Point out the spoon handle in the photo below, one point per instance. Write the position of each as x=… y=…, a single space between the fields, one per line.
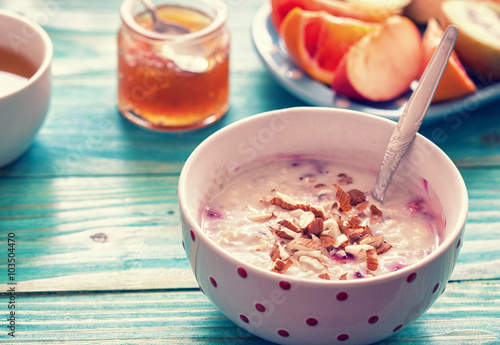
x=414 y=112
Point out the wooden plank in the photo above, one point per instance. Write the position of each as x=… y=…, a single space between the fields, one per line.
x=55 y=221
x=94 y=233
x=466 y=313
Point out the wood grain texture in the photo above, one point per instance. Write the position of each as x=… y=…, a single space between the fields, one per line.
x=466 y=313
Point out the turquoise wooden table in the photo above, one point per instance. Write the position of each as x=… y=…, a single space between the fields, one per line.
x=93 y=207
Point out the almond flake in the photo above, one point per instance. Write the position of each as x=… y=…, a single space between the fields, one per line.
x=275 y=252
x=283 y=201
x=312 y=253
x=318 y=211
x=343 y=277
x=383 y=248
x=301 y=243
x=306 y=219
x=371 y=259
x=327 y=240
x=289 y=225
x=355 y=235
x=374 y=241
x=312 y=263
x=332 y=227
x=354 y=222
x=344 y=228
x=324 y=276
x=260 y=217
x=357 y=250
x=376 y=215
x=339 y=241
x=343 y=198
x=286 y=234
x=303 y=207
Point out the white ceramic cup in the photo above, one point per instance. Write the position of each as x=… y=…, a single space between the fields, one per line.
x=23 y=110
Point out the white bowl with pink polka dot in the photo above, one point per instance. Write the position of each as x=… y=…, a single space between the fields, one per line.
x=289 y=310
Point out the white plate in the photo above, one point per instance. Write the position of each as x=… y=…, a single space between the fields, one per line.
x=276 y=59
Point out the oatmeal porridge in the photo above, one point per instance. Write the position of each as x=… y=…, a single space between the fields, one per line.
x=316 y=219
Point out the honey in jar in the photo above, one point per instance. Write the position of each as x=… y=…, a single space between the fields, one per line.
x=179 y=81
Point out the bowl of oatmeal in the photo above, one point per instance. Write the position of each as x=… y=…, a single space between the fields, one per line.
x=284 y=237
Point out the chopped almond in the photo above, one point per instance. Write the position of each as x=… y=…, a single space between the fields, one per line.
x=354 y=222
x=343 y=198
x=305 y=219
x=260 y=217
x=383 y=248
x=355 y=235
x=374 y=241
x=327 y=240
x=356 y=196
x=284 y=233
x=301 y=243
x=315 y=227
x=324 y=276
x=289 y=225
x=281 y=266
x=371 y=259
x=283 y=201
x=275 y=252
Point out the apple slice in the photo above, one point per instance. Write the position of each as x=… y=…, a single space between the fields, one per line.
x=478 y=42
x=420 y=11
x=382 y=65
x=455 y=82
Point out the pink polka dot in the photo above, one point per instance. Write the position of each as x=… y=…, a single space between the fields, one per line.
x=285 y=285
x=283 y=333
x=373 y=319
x=214 y=283
x=244 y=318
x=458 y=243
x=342 y=296
x=193 y=237
x=343 y=337
x=411 y=278
x=260 y=307
x=436 y=287
x=397 y=328
x=312 y=321
x=242 y=272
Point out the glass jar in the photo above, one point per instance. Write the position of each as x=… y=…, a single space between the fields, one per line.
x=174 y=81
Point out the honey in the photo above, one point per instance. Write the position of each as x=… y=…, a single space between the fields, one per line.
x=173 y=82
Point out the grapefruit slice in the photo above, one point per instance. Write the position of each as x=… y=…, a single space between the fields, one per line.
x=280 y=8
x=316 y=40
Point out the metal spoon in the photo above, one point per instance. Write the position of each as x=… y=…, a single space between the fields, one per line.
x=414 y=112
x=161 y=25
